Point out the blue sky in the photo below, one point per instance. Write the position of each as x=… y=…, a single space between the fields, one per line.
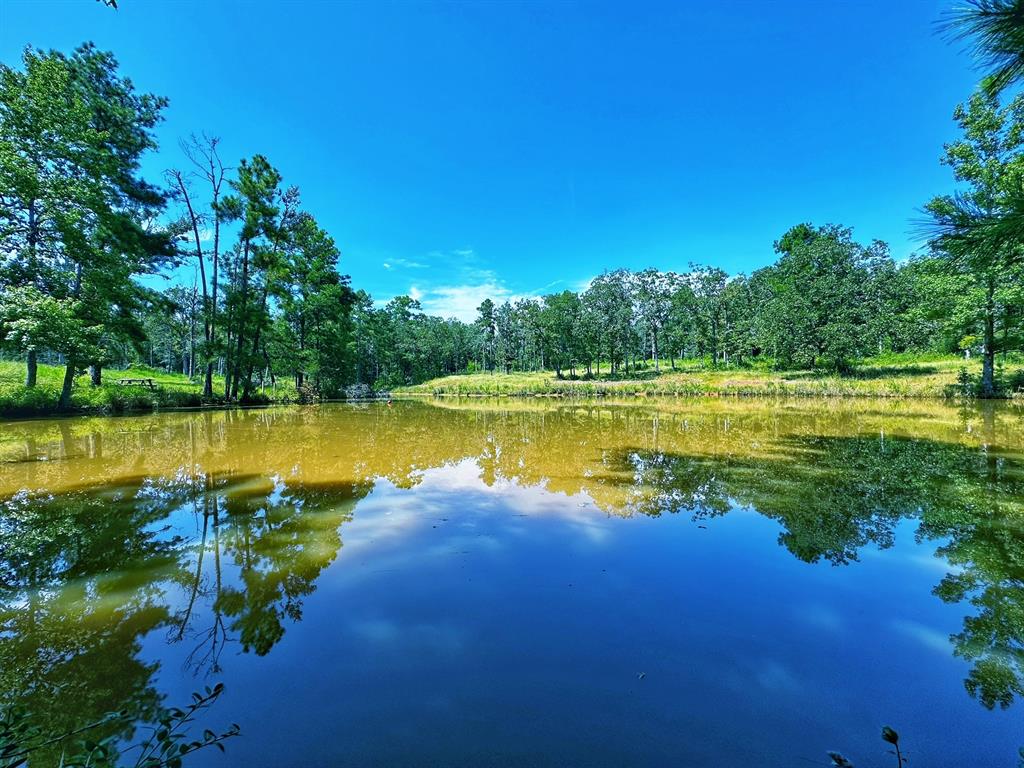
x=458 y=150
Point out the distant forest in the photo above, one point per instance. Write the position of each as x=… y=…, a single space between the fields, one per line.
x=81 y=230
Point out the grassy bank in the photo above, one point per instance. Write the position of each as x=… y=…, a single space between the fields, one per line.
x=889 y=376
x=173 y=390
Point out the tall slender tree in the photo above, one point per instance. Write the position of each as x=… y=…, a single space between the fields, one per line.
x=989 y=162
x=207 y=167
x=255 y=202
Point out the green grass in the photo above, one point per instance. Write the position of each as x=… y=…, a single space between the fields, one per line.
x=891 y=375
x=173 y=390
x=883 y=376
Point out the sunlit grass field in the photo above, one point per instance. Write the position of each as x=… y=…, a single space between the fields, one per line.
x=884 y=376
x=936 y=376
x=173 y=390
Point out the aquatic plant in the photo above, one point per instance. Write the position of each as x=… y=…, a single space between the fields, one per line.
x=165 y=748
x=888 y=735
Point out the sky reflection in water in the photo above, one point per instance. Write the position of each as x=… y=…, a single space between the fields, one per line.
x=538 y=584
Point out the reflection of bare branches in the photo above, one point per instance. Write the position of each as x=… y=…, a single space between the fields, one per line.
x=200 y=558
x=210 y=645
x=210 y=642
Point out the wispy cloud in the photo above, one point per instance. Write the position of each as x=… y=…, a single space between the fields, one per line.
x=547 y=287
x=457 y=283
x=400 y=263
x=928 y=637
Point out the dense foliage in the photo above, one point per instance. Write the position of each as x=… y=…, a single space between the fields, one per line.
x=81 y=229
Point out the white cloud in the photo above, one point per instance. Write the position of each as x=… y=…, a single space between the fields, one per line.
x=464 y=284
x=461 y=301
x=405 y=263
x=582 y=285
x=205 y=236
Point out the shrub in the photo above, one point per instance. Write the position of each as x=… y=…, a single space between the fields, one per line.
x=23 y=401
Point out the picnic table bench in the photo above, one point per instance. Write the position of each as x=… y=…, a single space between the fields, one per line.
x=137 y=383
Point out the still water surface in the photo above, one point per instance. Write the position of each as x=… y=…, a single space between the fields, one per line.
x=709 y=583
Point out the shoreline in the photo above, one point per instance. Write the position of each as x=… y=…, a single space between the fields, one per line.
x=612 y=398
x=600 y=393
x=947 y=379
x=940 y=379
x=101 y=412
x=718 y=394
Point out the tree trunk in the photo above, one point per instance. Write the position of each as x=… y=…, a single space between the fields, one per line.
x=988 y=379
x=96 y=374
x=192 y=345
x=270 y=369
x=226 y=362
x=31 y=368
x=207 y=328
x=243 y=311
x=302 y=348
x=247 y=390
x=988 y=384
x=208 y=386
x=69 y=379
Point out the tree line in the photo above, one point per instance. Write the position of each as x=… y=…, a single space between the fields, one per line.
x=84 y=236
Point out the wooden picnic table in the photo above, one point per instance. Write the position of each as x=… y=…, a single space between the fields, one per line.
x=137 y=383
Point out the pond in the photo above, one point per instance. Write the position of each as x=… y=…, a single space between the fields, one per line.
x=544 y=583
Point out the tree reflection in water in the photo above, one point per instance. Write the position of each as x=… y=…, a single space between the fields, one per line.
x=86 y=575
x=834 y=496
x=214 y=528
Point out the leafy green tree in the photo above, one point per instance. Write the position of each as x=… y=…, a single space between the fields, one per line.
x=739 y=322
x=654 y=291
x=609 y=299
x=486 y=322
x=988 y=270
x=562 y=318
x=534 y=342
x=509 y=336
x=257 y=204
x=171 y=329
x=708 y=310
x=925 y=313
x=680 y=326
x=317 y=306
x=816 y=313
x=995 y=29
x=74 y=213
x=31 y=320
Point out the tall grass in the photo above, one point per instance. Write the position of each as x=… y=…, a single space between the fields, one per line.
x=884 y=376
